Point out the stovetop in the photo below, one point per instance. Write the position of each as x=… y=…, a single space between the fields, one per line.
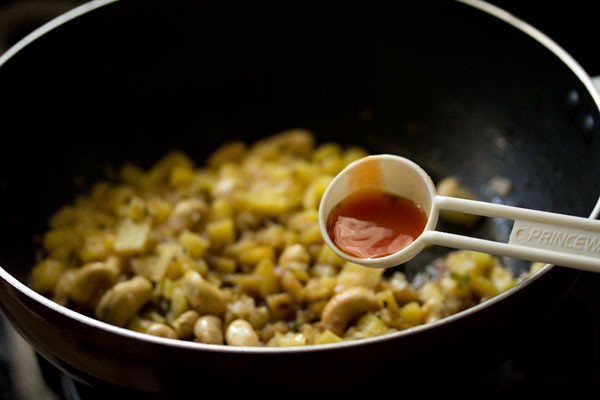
x=564 y=358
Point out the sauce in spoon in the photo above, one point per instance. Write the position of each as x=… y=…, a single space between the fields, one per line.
x=371 y=223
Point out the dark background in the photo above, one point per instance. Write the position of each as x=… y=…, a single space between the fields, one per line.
x=563 y=358
x=571 y=24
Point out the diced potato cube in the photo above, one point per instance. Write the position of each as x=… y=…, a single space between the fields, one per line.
x=136 y=209
x=358 y=275
x=310 y=332
x=93 y=249
x=469 y=263
x=327 y=337
x=387 y=300
x=536 y=266
x=180 y=176
x=319 y=288
x=132 y=174
x=256 y=254
x=270 y=283
x=328 y=256
x=502 y=278
x=199 y=265
x=166 y=255
x=292 y=285
x=271 y=202
x=159 y=209
x=221 y=232
x=229 y=152
x=412 y=313
x=325 y=151
x=179 y=302
x=483 y=287
x=144 y=265
x=457 y=285
x=62 y=238
x=194 y=244
x=311 y=235
x=225 y=265
x=132 y=237
x=161 y=171
x=431 y=291
x=45 y=275
x=370 y=325
x=333 y=165
x=281 y=306
x=314 y=192
x=247 y=283
x=221 y=208
x=306 y=173
x=63 y=218
x=290 y=339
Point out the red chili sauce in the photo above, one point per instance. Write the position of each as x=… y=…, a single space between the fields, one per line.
x=371 y=223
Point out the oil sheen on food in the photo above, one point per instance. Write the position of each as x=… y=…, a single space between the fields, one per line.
x=370 y=223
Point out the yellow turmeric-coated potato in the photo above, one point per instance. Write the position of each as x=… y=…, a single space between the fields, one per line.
x=231 y=253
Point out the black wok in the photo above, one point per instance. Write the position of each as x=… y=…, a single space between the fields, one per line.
x=451 y=85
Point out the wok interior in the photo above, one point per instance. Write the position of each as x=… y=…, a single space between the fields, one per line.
x=459 y=92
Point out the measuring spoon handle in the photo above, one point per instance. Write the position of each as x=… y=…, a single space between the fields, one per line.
x=542 y=236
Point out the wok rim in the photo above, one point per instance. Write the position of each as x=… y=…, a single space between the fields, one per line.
x=91 y=322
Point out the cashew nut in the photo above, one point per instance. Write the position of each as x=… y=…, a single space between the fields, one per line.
x=292 y=285
x=296 y=141
x=63 y=286
x=358 y=275
x=281 y=306
x=184 y=324
x=186 y=214
x=92 y=280
x=202 y=295
x=209 y=329
x=162 y=330
x=346 y=306
x=295 y=254
x=433 y=310
x=123 y=301
x=241 y=333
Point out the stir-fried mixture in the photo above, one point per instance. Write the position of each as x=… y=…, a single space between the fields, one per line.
x=231 y=253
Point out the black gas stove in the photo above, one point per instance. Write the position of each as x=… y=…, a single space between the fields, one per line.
x=561 y=359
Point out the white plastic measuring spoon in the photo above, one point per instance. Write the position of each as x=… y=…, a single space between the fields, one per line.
x=542 y=236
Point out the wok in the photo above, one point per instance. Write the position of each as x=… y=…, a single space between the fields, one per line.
x=458 y=86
